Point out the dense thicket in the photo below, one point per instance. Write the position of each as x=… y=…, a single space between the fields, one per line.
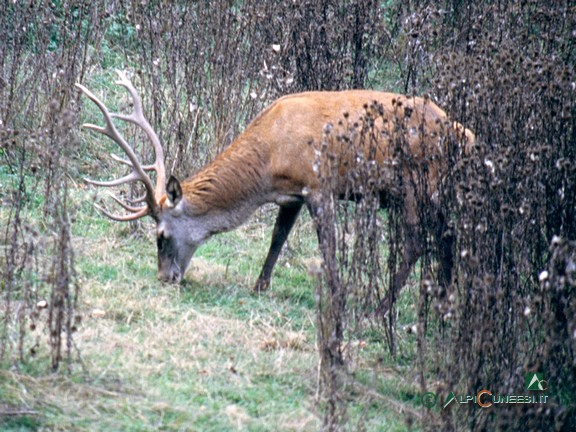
x=507 y=214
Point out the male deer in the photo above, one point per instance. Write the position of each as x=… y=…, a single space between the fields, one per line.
x=271 y=162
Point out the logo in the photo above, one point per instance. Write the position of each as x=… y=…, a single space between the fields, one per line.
x=485 y=398
x=451 y=397
x=429 y=399
x=536 y=381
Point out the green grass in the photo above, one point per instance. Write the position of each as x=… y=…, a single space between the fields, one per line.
x=207 y=355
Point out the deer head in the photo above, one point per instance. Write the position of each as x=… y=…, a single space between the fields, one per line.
x=163 y=202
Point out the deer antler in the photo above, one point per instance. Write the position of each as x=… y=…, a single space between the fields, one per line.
x=153 y=194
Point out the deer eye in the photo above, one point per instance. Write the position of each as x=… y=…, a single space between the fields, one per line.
x=161 y=241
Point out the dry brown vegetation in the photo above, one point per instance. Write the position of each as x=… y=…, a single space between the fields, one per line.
x=504 y=220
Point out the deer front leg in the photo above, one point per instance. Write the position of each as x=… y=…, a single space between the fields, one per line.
x=287 y=215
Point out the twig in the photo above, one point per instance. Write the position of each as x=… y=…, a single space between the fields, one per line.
x=18 y=413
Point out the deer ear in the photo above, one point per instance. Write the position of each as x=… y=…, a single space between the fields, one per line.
x=173 y=191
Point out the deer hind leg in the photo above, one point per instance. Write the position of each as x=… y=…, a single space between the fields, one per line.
x=445 y=240
x=287 y=215
x=411 y=251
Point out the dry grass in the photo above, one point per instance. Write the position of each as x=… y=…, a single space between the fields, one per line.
x=161 y=356
x=207 y=355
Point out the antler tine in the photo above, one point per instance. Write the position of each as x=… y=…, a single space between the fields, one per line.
x=123 y=218
x=123 y=180
x=137 y=200
x=138 y=172
x=128 y=163
x=137 y=117
x=130 y=208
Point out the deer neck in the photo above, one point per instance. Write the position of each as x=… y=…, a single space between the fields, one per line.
x=226 y=192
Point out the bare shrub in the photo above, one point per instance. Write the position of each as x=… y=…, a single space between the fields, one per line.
x=362 y=248
x=506 y=309
x=350 y=239
x=43 y=54
x=508 y=199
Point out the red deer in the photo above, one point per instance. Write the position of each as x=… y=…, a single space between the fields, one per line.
x=270 y=162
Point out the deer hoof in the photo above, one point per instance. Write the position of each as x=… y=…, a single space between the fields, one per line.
x=261 y=286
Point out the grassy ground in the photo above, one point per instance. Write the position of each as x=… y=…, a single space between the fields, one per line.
x=208 y=355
